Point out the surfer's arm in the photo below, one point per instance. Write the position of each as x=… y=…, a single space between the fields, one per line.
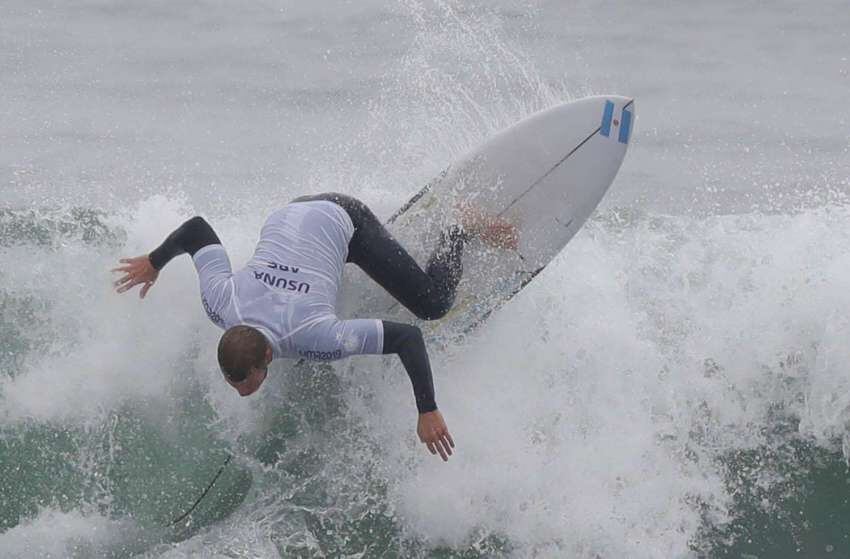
x=189 y=238
x=337 y=339
x=406 y=341
x=329 y=340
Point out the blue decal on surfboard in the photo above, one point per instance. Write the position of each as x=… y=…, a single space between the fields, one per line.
x=625 y=126
x=606 y=118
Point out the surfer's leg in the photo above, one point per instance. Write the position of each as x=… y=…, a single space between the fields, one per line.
x=428 y=294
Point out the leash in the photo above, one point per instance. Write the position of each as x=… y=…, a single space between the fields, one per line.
x=204 y=494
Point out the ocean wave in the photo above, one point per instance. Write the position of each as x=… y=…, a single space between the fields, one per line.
x=51 y=227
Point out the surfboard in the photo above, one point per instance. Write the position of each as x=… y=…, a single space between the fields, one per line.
x=545 y=175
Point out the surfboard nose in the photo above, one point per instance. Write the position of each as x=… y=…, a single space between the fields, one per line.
x=617 y=117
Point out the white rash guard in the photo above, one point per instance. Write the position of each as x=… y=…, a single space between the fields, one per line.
x=288 y=289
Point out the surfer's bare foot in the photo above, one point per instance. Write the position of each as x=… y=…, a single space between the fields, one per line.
x=493 y=231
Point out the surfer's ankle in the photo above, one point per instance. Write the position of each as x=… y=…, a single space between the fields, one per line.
x=492 y=231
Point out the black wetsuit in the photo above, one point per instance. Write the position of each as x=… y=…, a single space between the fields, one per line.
x=429 y=294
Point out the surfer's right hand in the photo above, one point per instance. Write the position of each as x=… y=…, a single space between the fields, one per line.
x=137 y=270
x=433 y=432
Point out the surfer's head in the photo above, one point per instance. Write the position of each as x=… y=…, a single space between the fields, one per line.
x=244 y=355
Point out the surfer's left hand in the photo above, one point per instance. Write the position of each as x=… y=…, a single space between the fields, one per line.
x=433 y=432
x=137 y=270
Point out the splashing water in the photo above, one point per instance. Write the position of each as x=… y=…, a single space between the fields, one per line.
x=673 y=385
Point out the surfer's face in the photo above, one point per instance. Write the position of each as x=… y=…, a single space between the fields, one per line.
x=255 y=378
x=251 y=383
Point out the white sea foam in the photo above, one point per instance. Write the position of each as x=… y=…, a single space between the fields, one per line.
x=54 y=534
x=591 y=412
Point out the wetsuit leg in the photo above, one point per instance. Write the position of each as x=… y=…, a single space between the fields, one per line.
x=428 y=294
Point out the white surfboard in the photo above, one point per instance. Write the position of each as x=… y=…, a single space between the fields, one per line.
x=545 y=175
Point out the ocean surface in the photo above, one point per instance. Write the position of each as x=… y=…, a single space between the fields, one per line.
x=675 y=385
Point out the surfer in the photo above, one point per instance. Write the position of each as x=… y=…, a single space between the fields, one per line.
x=282 y=304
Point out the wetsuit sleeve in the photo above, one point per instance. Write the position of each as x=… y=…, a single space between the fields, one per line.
x=338 y=339
x=406 y=340
x=198 y=239
x=190 y=237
